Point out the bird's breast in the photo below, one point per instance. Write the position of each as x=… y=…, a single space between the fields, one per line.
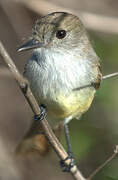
x=55 y=89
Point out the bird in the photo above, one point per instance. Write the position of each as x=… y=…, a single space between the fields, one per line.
x=64 y=70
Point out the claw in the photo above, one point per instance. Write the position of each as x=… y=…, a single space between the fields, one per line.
x=67 y=168
x=42 y=115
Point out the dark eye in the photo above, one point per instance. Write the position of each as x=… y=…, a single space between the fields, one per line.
x=61 y=34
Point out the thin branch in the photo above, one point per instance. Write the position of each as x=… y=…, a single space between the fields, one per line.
x=110 y=75
x=92 y=84
x=96 y=22
x=104 y=164
x=23 y=84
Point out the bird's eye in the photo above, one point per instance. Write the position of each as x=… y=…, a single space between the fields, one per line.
x=60 y=34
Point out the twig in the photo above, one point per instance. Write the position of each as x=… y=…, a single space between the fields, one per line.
x=92 y=21
x=110 y=75
x=23 y=84
x=103 y=78
x=104 y=164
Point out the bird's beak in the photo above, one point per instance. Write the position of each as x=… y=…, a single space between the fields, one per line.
x=31 y=44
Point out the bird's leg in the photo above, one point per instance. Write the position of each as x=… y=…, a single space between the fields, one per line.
x=42 y=114
x=69 y=149
x=39 y=118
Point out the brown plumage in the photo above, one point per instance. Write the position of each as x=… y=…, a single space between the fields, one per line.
x=34 y=142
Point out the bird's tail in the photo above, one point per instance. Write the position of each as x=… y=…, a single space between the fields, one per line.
x=35 y=142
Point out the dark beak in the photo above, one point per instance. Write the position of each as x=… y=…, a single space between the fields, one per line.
x=31 y=44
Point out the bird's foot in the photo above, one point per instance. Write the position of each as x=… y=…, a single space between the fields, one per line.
x=42 y=115
x=64 y=166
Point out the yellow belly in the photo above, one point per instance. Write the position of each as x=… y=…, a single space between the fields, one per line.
x=75 y=104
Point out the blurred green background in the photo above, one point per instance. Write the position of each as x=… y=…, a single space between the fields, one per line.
x=95 y=136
